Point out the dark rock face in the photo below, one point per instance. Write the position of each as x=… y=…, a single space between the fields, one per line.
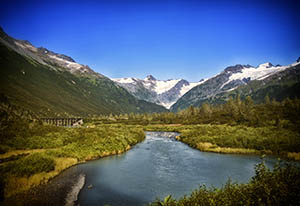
x=138 y=90
x=4 y=36
x=44 y=51
x=208 y=89
x=246 y=80
x=233 y=84
x=150 y=78
x=269 y=65
x=234 y=69
x=298 y=60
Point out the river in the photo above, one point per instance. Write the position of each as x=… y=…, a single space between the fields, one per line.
x=157 y=167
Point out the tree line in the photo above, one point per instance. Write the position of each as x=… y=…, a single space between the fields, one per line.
x=234 y=112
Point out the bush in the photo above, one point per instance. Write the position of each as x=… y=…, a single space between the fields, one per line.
x=278 y=187
x=29 y=165
x=4 y=149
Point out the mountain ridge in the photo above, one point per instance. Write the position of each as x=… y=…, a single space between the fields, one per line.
x=151 y=89
x=229 y=80
x=52 y=84
x=47 y=57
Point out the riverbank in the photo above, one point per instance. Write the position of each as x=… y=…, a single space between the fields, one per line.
x=56 y=191
x=159 y=166
x=53 y=193
x=226 y=139
x=61 y=188
x=63 y=149
x=70 y=146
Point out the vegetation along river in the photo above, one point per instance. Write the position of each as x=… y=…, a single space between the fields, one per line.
x=157 y=167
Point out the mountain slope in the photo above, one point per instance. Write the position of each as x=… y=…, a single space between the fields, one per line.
x=59 y=86
x=160 y=92
x=218 y=88
x=279 y=86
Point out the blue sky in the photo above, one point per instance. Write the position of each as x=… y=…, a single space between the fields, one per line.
x=168 y=39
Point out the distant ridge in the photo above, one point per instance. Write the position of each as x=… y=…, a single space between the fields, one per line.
x=278 y=82
x=163 y=92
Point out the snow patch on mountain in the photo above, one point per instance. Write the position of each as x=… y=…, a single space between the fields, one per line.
x=296 y=63
x=158 y=86
x=26 y=45
x=167 y=104
x=71 y=65
x=44 y=56
x=260 y=72
x=188 y=87
x=163 y=92
x=163 y=86
x=124 y=80
x=215 y=89
x=249 y=73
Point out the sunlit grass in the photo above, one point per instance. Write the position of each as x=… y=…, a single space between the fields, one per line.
x=19 y=152
x=294 y=155
x=15 y=185
x=209 y=147
x=66 y=147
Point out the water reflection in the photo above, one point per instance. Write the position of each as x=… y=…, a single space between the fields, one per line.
x=157 y=167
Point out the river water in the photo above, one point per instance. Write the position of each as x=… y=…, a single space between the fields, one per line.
x=157 y=167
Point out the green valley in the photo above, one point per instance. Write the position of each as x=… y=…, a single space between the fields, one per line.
x=228 y=114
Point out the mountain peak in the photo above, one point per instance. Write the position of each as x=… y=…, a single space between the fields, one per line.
x=3 y=34
x=265 y=65
x=298 y=60
x=234 y=69
x=1 y=30
x=150 y=78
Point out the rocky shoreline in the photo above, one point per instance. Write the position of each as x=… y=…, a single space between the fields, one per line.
x=55 y=192
x=61 y=190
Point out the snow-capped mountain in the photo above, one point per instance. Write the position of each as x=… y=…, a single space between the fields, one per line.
x=242 y=74
x=46 y=57
x=51 y=84
x=163 y=92
x=228 y=80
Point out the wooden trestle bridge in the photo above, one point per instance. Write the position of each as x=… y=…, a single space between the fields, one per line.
x=63 y=121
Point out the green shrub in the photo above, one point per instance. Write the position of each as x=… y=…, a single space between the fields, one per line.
x=29 y=165
x=270 y=138
x=278 y=187
x=4 y=149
